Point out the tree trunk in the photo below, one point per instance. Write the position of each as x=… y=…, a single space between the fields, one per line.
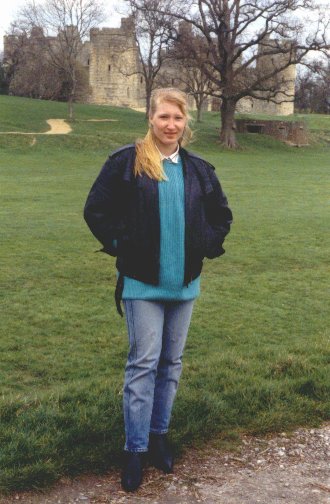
x=148 y=96
x=70 y=107
x=72 y=96
x=227 y=134
x=199 y=104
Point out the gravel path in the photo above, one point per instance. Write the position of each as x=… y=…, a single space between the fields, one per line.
x=57 y=127
x=289 y=468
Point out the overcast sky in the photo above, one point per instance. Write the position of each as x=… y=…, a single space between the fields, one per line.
x=7 y=13
x=9 y=8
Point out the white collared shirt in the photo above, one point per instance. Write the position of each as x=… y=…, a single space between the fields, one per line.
x=173 y=158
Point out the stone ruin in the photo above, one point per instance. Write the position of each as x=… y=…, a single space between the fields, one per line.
x=291 y=132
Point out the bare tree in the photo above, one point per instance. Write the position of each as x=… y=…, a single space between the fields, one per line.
x=28 y=69
x=251 y=45
x=66 y=24
x=153 y=33
x=190 y=78
x=195 y=84
x=313 y=88
x=47 y=86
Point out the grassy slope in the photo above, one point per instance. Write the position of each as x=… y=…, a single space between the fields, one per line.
x=257 y=354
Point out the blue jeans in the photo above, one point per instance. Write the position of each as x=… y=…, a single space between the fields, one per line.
x=157 y=332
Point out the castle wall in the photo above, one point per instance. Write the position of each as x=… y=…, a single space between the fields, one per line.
x=283 y=103
x=172 y=75
x=112 y=59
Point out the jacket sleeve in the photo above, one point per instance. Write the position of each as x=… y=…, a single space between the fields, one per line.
x=218 y=213
x=103 y=208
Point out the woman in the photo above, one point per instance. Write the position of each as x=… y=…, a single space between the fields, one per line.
x=160 y=210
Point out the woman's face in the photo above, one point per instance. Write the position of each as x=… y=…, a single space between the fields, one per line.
x=168 y=123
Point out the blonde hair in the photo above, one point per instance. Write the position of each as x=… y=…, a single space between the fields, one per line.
x=148 y=159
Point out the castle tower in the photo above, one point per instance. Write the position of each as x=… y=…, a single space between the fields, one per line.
x=289 y=78
x=285 y=78
x=283 y=103
x=113 y=63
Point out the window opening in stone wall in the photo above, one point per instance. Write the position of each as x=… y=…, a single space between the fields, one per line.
x=88 y=61
x=254 y=128
x=128 y=92
x=172 y=82
x=141 y=80
x=109 y=68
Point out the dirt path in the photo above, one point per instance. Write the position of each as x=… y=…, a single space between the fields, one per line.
x=57 y=127
x=287 y=468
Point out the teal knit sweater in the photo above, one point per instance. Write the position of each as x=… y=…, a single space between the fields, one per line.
x=172 y=250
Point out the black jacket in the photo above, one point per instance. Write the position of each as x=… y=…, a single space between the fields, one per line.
x=125 y=208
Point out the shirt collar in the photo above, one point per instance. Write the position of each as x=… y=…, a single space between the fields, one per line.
x=173 y=158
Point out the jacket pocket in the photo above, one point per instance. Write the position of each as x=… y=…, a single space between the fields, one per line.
x=123 y=245
x=212 y=242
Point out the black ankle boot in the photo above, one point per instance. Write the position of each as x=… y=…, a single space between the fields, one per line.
x=160 y=452
x=133 y=471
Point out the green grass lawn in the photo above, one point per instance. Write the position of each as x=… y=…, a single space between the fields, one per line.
x=257 y=356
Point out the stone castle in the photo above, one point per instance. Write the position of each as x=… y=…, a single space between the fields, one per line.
x=112 y=60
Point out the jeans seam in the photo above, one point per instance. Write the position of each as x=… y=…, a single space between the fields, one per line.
x=130 y=305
